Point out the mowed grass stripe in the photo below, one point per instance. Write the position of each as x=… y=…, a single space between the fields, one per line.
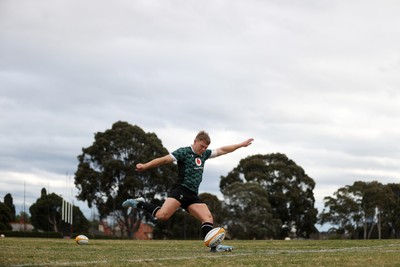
x=52 y=252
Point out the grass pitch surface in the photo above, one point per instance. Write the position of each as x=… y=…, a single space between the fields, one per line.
x=63 y=252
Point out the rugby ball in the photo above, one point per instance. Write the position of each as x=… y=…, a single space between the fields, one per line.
x=214 y=237
x=82 y=240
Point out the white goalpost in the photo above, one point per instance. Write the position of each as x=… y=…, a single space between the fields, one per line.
x=67 y=211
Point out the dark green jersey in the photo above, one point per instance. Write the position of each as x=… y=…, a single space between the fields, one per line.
x=190 y=167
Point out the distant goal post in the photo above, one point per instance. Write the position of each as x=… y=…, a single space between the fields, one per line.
x=67 y=211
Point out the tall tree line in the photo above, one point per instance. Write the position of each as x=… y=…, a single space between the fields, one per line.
x=264 y=196
x=364 y=210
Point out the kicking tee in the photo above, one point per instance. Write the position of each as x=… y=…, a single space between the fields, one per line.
x=191 y=166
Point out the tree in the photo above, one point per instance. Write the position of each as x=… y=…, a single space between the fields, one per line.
x=391 y=213
x=289 y=189
x=106 y=175
x=8 y=201
x=249 y=212
x=5 y=217
x=80 y=223
x=46 y=214
x=375 y=197
x=342 y=210
x=359 y=208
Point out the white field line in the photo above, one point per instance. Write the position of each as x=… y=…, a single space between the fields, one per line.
x=213 y=256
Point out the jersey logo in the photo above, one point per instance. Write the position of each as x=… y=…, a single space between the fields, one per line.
x=198 y=161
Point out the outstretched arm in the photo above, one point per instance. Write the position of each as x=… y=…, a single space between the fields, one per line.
x=228 y=149
x=154 y=163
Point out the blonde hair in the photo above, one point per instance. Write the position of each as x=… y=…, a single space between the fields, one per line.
x=203 y=136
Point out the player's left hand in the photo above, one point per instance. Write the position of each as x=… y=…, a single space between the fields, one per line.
x=247 y=142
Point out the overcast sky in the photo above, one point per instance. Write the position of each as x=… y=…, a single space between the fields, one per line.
x=315 y=80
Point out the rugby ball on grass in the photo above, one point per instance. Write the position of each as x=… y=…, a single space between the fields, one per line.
x=82 y=240
x=214 y=237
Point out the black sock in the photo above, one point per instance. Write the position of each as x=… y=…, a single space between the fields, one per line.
x=205 y=228
x=150 y=208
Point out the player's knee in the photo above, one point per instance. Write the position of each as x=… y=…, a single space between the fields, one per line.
x=162 y=216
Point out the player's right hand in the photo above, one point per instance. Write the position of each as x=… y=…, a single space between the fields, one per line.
x=139 y=167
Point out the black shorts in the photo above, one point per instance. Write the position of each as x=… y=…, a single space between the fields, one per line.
x=184 y=196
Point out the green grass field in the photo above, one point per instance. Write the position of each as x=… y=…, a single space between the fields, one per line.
x=64 y=252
